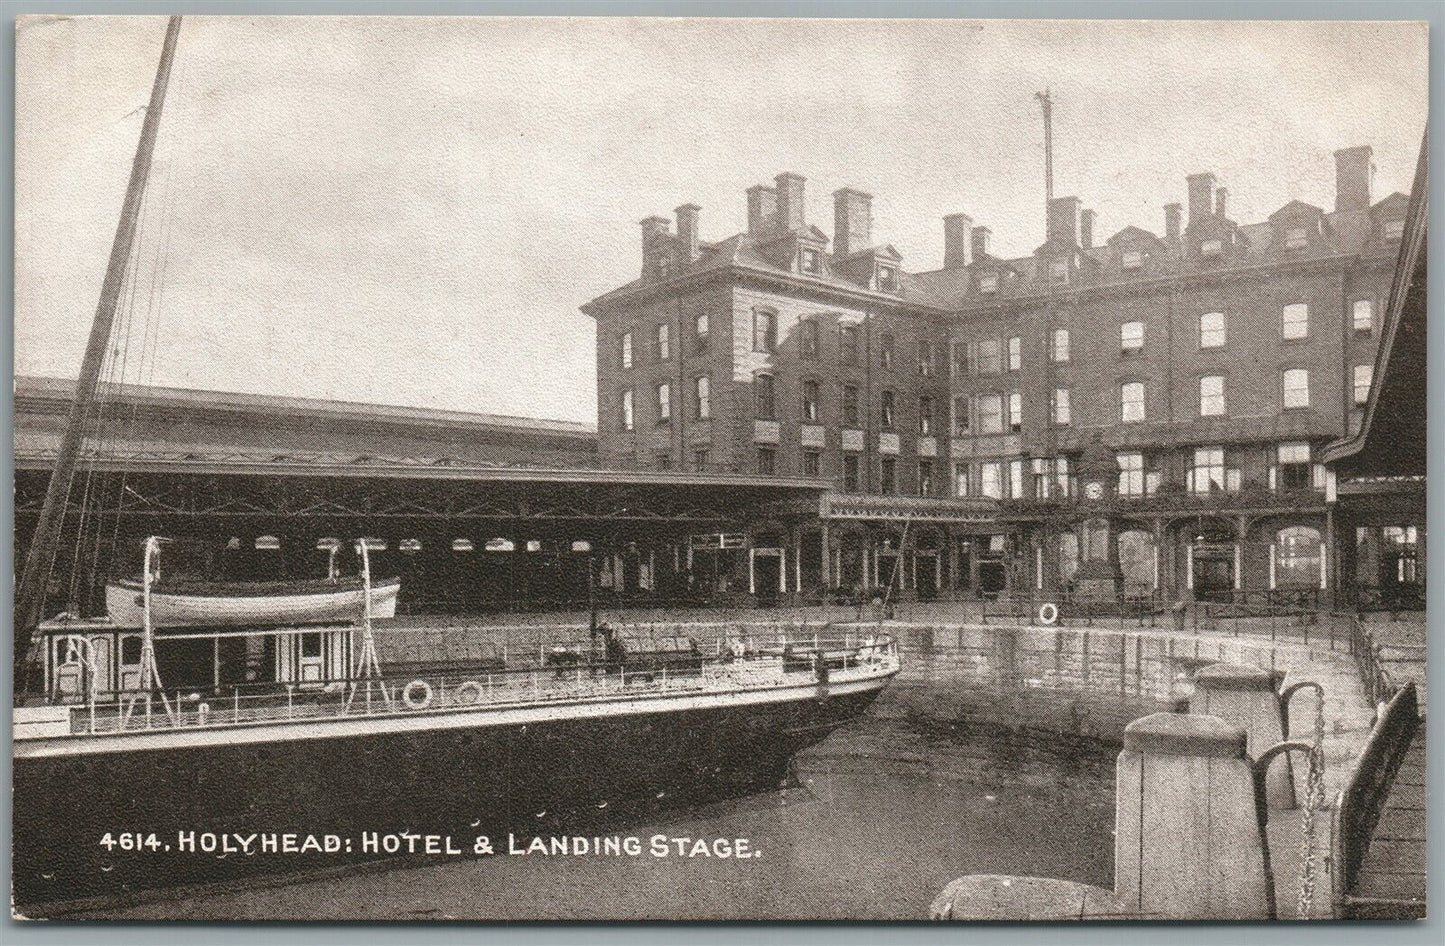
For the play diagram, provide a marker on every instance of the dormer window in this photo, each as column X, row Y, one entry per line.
column 1295, row 238
column 887, row 279
column 1133, row 259
column 988, row 283
column 1394, row 229
column 1209, row 248
column 1059, row 271
column 812, row 261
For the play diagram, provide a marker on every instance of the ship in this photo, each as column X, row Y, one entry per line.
column 152, row 750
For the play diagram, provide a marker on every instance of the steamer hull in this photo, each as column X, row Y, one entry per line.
column 533, row 771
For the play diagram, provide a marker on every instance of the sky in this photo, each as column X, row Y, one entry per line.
column 410, row 210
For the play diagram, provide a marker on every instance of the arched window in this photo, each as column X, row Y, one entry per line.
column 1299, row 557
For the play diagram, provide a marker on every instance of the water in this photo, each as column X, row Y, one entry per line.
column 883, row 815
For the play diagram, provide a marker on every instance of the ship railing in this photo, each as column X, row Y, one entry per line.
column 770, row 664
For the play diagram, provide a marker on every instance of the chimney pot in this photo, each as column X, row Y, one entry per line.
column 1086, row 229
column 789, row 187
column 687, row 228
column 852, row 221
column 762, row 205
column 1172, row 215
column 1063, row 222
column 978, row 243
column 956, row 231
column 1354, row 174
column 1201, row 196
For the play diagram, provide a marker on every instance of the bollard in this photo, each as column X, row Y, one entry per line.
column 1248, row 697
column 1187, row 836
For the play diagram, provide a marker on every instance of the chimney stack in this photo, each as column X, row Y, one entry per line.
column 978, row 243
column 687, row 229
column 1086, row 229
column 1220, row 196
column 653, row 229
column 1172, row 213
column 1354, row 173
column 1201, row 196
column 956, row 229
column 789, row 188
column 1064, row 221
column 762, row 204
column 852, row 220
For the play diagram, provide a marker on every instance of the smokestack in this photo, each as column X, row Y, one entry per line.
column 956, row 230
column 1172, row 214
column 1086, row 229
column 852, row 220
column 1220, row 196
column 1201, row 196
column 789, row 187
column 1354, row 171
column 978, row 241
column 687, row 228
column 1064, row 221
column 762, row 204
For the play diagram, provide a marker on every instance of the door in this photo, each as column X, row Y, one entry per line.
column 1213, row 576
column 310, row 659
column 926, row 576
column 767, row 572
column 100, row 657
column 130, row 674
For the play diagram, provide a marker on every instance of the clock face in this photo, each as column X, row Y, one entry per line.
column 1094, row 490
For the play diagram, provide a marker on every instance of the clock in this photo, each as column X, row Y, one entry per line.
column 1094, row 490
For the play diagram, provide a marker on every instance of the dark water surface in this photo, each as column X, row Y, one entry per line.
column 884, row 814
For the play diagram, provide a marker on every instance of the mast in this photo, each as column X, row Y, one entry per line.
column 31, row 593
column 1048, row 104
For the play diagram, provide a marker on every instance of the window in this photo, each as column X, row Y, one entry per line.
column 988, row 283
column 1211, row 248
column 1294, row 471
column 885, row 410
column 1394, row 229
column 1061, row 476
column 767, row 461
column 625, row 409
column 765, row 330
column 848, row 344
column 1131, row 474
column 925, row 415
column 664, row 347
column 1211, row 396
column 1015, row 412
column 1363, row 375
column 627, row 349
column 850, row 472
column 1295, row 238
column 812, row 262
column 812, row 463
column 808, row 338
column 1016, row 479
column 989, row 357
column 1059, row 271
column 1299, row 557
column 764, row 399
column 1208, row 471
column 887, row 279
column 699, row 460
column 699, row 332
column 888, row 476
column 1041, row 479
column 1296, row 321
column 885, row 350
column 990, row 414
column 990, row 480
column 1296, row 388
column 1061, row 407
column 1133, row 259
column 1364, row 317
column 810, row 401
column 850, row 405
column 960, row 415
column 664, row 403
column 1211, row 330
column 925, row 359
column 960, row 480
column 1015, row 353
column 961, row 361
column 925, row 477
column 1131, row 402
column 702, row 397
column 1131, row 338
column 1059, row 349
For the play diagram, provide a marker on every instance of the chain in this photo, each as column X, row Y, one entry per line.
column 1314, row 801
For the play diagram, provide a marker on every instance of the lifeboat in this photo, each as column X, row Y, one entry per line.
column 185, row 603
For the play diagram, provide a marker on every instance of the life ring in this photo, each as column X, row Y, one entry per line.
column 468, row 693
column 1048, row 613
column 410, row 696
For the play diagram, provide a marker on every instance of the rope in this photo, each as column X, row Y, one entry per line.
column 1314, row 801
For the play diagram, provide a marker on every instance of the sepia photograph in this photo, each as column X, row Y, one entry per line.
column 605, row 468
